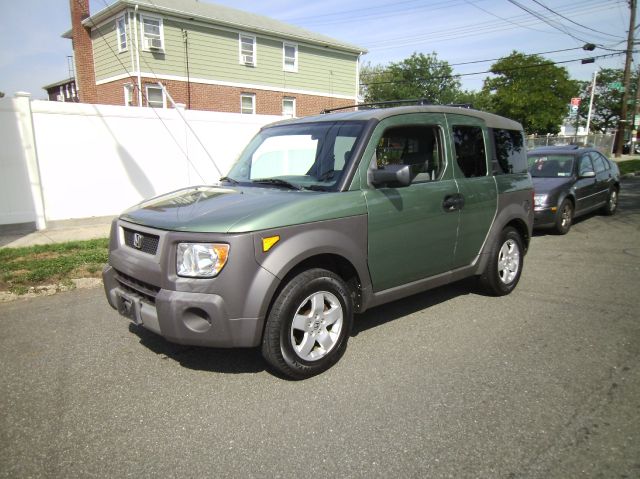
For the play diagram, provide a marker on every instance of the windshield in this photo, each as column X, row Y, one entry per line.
column 313, row 155
column 551, row 166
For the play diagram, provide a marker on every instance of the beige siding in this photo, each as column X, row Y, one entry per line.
column 108, row 61
column 214, row 56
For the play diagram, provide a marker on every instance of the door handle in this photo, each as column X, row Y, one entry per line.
column 453, row 202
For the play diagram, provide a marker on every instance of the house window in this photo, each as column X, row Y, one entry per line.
column 290, row 57
column 128, row 94
column 155, row 96
column 248, row 104
column 121, row 30
column 152, row 33
column 247, row 50
column 289, row 107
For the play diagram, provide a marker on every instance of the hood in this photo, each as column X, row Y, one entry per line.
column 548, row 185
column 217, row 209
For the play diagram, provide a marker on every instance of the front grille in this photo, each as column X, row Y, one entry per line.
column 145, row 290
column 148, row 243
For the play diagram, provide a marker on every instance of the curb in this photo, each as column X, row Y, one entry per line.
column 51, row 289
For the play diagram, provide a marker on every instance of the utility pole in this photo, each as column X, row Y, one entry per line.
column 636, row 113
column 627, row 79
column 593, row 93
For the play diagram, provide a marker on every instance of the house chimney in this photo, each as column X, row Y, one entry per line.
column 83, row 52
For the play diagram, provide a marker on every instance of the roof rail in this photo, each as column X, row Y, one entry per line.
column 413, row 101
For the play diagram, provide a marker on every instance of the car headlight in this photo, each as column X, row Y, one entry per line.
column 201, row 260
column 540, row 200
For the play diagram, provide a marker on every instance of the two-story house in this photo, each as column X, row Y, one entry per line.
column 207, row 57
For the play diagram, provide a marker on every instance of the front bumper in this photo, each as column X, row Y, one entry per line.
column 227, row 311
column 180, row 317
column 544, row 217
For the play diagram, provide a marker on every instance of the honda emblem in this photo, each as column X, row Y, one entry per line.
column 137, row 240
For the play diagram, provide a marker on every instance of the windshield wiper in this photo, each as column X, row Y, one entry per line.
column 317, row 188
column 229, row 179
column 277, row 182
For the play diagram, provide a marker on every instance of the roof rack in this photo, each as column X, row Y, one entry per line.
column 413, row 101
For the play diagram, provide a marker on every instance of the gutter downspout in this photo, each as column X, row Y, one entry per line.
column 179, row 110
column 130, row 40
column 135, row 24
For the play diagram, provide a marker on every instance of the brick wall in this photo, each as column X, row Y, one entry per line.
column 83, row 52
column 219, row 98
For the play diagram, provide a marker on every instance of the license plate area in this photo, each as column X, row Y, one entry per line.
column 129, row 307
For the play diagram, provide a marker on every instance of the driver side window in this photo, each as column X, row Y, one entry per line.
column 418, row 146
column 585, row 165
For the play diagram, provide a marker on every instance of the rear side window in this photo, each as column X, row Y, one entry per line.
column 509, row 150
column 470, row 150
column 418, row 146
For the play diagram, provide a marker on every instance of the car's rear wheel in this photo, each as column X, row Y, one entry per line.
column 309, row 324
column 612, row 202
column 564, row 217
column 506, row 258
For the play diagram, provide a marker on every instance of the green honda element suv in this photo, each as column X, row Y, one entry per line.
column 323, row 217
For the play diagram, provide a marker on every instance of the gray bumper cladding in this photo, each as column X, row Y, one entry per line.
column 181, row 317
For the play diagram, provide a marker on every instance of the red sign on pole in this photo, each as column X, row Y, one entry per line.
column 575, row 101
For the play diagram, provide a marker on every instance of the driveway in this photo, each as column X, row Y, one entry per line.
column 543, row 383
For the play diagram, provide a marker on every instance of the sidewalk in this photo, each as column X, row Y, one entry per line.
column 59, row 232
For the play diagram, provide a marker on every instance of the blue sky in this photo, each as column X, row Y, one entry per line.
column 33, row 54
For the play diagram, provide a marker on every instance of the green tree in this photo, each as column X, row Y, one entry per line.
column 532, row 90
column 419, row 76
column 607, row 100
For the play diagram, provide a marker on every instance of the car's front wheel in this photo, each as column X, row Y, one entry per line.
column 564, row 217
column 612, row 202
column 309, row 324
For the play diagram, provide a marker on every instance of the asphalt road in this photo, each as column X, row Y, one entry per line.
column 544, row 383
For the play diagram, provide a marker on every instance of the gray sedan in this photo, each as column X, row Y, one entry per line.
column 569, row 182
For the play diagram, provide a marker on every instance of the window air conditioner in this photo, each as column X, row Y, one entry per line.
column 247, row 59
column 152, row 43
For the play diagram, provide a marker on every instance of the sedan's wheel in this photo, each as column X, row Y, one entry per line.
column 503, row 271
column 612, row 202
column 309, row 324
column 564, row 218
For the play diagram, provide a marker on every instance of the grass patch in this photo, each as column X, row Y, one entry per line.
column 22, row 268
column 629, row 166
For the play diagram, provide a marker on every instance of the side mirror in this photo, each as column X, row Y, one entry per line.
column 398, row 174
column 588, row 174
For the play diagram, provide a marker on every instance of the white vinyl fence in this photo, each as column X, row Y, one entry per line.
column 64, row 160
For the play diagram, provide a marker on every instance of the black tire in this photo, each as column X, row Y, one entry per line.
column 296, row 350
column 564, row 217
column 504, row 268
column 612, row 202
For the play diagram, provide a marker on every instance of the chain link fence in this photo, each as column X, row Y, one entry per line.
column 604, row 143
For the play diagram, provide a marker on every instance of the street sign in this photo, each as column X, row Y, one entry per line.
column 616, row 85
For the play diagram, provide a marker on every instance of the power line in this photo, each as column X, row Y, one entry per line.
column 551, row 23
column 474, row 29
column 502, row 18
column 442, row 77
column 93, row 25
column 575, row 23
column 487, row 60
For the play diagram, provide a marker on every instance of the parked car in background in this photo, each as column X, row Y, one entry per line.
column 570, row 181
column 627, row 148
